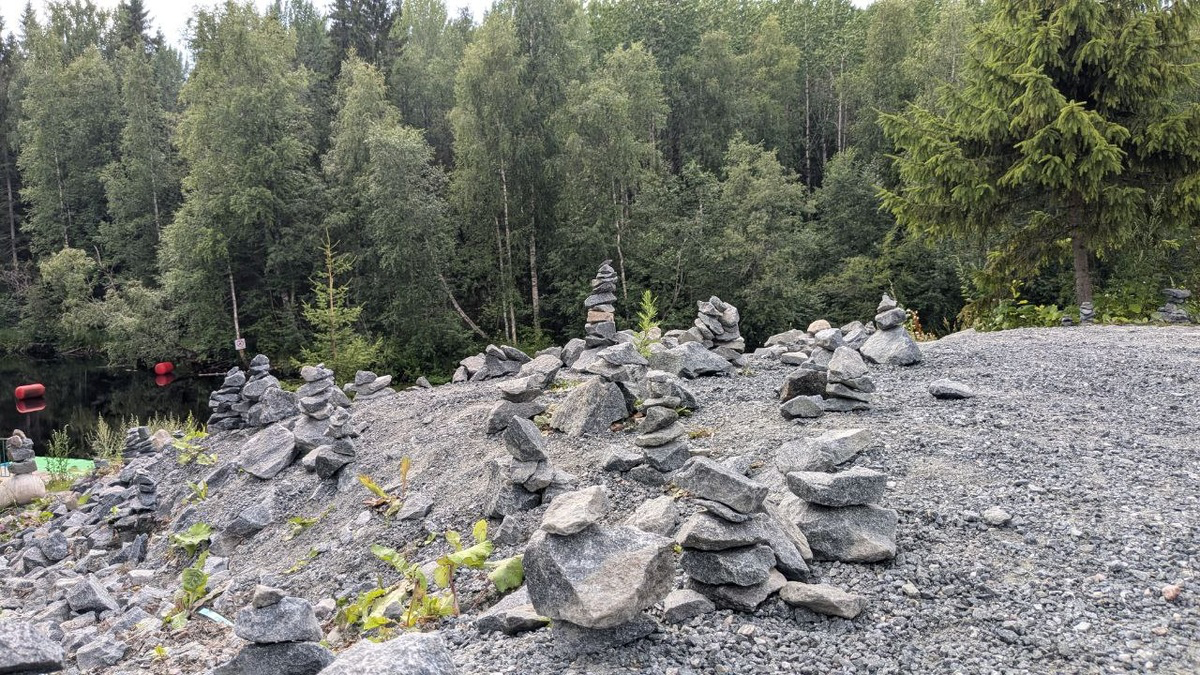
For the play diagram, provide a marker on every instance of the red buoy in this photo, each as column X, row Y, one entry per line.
column 164, row 380
column 31, row 405
column 30, row 391
column 164, row 368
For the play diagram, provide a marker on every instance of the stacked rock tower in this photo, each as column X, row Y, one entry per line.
column 891, row 344
column 601, row 327
column 717, row 325
column 25, row 485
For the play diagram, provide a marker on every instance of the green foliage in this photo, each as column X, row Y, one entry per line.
column 192, row 538
column 199, row 492
column 1017, row 312
column 507, row 574
column 107, row 442
column 337, row 343
column 647, row 323
column 58, row 455
column 193, row 588
column 298, row 524
column 473, row 557
column 303, row 562
column 189, row 451
column 388, row 503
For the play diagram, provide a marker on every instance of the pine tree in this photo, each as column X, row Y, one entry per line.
column 337, row 343
column 1075, row 124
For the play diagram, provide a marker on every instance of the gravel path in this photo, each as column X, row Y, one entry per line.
column 1089, row 438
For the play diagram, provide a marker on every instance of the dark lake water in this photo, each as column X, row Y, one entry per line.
column 77, row 390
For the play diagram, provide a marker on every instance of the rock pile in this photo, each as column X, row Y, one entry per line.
column 594, row 581
column 136, row 503
column 493, row 362
column 284, row 636
column 368, row 386
column 835, row 381
column 25, row 485
column 717, row 327
column 138, row 443
column 25, row 648
column 526, row 478
column 840, row 515
column 519, row 395
column 253, row 400
column 319, row 395
column 891, row 344
column 601, row 326
column 1171, row 312
column 1087, row 313
column 594, row 406
column 734, row 553
column 662, row 439
column 849, row 385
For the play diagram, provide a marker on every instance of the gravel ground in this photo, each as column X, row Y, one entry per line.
column 1089, row 437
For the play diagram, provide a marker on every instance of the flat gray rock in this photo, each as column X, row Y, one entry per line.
column 706, row 532
column 823, row 599
column 408, row 654
column 668, row 457
column 822, row 452
column 573, row 640
column 689, row 360
column 745, row 566
column 289, row 620
column 851, row 487
column 27, row 649
column 268, row 452
column 293, row 658
column 683, row 604
column 803, row 382
column 89, row 595
column 503, row 413
column 100, row 654
column 707, row 479
column 512, row 615
column 949, row 389
column 657, row 516
column 802, row 407
column 524, row 440
column 600, row 577
column 740, row 598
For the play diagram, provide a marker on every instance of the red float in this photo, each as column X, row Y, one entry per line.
column 163, row 380
column 164, row 368
column 31, row 405
column 30, row 391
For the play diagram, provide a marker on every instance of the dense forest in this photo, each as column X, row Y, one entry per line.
column 404, row 185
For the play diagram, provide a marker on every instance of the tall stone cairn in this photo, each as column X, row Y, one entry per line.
column 601, row 327
column 250, row 399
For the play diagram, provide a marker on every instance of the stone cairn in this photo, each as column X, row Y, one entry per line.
column 1087, row 313
column 832, row 379
column 319, row 395
column 662, row 439
column 592, row 580
column 135, row 501
column 594, row 406
column 495, row 361
column 25, row 485
column 138, row 443
column 717, row 327
column 1171, row 312
column 525, row 479
column 891, row 344
column 284, row 636
column 337, row 450
column 836, row 510
column 368, row 386
column 734, row 552
column 601, row 326
column 253, row 400
column 519, row 396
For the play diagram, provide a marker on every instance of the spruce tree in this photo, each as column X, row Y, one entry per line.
column 1074, row 127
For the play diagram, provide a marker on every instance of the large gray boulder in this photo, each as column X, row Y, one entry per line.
column 591, row 408
column 525, row 441
column 852, row 487
column 545, row 366
column 600, row 577
column 893, row 347
column 268, row 452
column 275, row 405
column 690, row 360
column 25, row 648
column 408, row 654
column 503, row 413
column 289, row 620
column 293, row 658
column 854, row 534
column 707, row 479
column 803, row 381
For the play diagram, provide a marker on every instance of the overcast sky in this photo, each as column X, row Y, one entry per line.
column 172, row 15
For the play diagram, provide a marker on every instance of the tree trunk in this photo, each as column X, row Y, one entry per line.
column 807, row 128
column 533, row 282
column 12, row 214
column 237, row 329
column 1083, row 273
column 503, row 291
column 623, row 211
column 458, row 308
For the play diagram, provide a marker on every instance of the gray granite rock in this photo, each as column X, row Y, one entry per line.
column 89, row 595
column 292, row 658
column 591, row 408
column 288, row 620
column 851, row 487
column 574, row 511
column 683, row 604
column 513, row 614
column 740, row 598
column 802, row 407
column 949, row 389
column 854, row 534
column 408, row 654
column 25, row 648
column 823, row 599
column 657, row 515
column 822, row 452
column 707, row 479
column 744, row 566
column 268, row 452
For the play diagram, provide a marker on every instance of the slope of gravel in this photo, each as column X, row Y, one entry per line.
column 1087, row 436
column 1090, row 438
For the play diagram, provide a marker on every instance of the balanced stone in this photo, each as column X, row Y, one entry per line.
column 745, row 566
column 846, row 488
column 707, row 479
column 524, row 440
column 575, row 511
column 288, row 620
